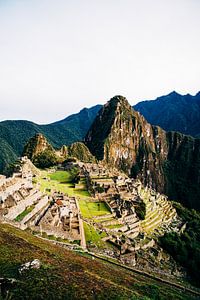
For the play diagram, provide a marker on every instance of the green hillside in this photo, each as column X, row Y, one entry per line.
column 15, row 134
column 64, row 274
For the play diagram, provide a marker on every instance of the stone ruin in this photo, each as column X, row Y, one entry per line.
column 24, row 205
column 123, row 196
column 62, row 218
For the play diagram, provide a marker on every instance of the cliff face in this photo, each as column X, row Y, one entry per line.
column 122, row 138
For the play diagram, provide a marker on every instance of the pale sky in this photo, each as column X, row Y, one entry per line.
column 58, row 56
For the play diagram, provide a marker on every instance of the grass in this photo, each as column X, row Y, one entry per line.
column 20, row 217
column 61, row 181
column 67, row 275
column 114, row 226
column 104, row 219
column 61, row 176
column 94, row 237
column 91, row 209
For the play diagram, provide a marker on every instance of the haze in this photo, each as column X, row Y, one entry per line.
column 57, row 57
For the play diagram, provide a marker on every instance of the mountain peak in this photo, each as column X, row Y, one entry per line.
column 118, row 100
column 114, row 122
column 37, row 144
column 173, row 93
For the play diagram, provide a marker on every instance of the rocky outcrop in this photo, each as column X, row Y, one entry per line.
column 36, row 145
column 81, row 152
column 62, row 152
column 168, row 162
column 41, row 153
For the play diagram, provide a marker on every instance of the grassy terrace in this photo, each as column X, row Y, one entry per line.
column 93, row 237
column 62, row 181
column 115, row 226
column 20, row 217
column 59, row 181
column 92, row 209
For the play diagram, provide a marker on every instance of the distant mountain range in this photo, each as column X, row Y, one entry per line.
column 171, row 112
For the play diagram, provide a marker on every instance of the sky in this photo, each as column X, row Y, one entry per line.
column 58, row 56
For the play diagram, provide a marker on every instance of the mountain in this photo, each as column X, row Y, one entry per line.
column 15, row 134
column 167, row 161
column 36, row 145
column 173, row 112
column 43, row 155
column 81, row 152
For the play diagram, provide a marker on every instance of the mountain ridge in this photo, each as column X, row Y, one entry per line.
column 173, row 112
column 15, row 134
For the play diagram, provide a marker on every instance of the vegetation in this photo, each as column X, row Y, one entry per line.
column 93, row 237
column 182, row 170
column 15, row 134
column 58, row 180
column 64, row 176
column 90, row 209
column 81, row 152
column 67, row 275
column 7, row 156
column 140, row 210
column 185, row 248
column 24, row 213
column 45, row 159
column 173, row 112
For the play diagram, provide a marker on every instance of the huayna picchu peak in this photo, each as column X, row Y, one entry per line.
column 165, row 161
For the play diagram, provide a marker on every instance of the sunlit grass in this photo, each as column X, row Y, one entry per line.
column 92, row 236
column 21, row 216
column 92, row 209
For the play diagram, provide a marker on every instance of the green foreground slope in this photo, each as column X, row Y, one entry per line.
column 67, row 275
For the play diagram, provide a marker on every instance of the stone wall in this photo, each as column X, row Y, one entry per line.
column 21, row 206
column 41, row 204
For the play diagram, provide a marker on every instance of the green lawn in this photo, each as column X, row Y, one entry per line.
column 61, row 181
column 58, row 181
column 61, row 176
column 20, row 217
column 92, row 236
column 92, row 209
